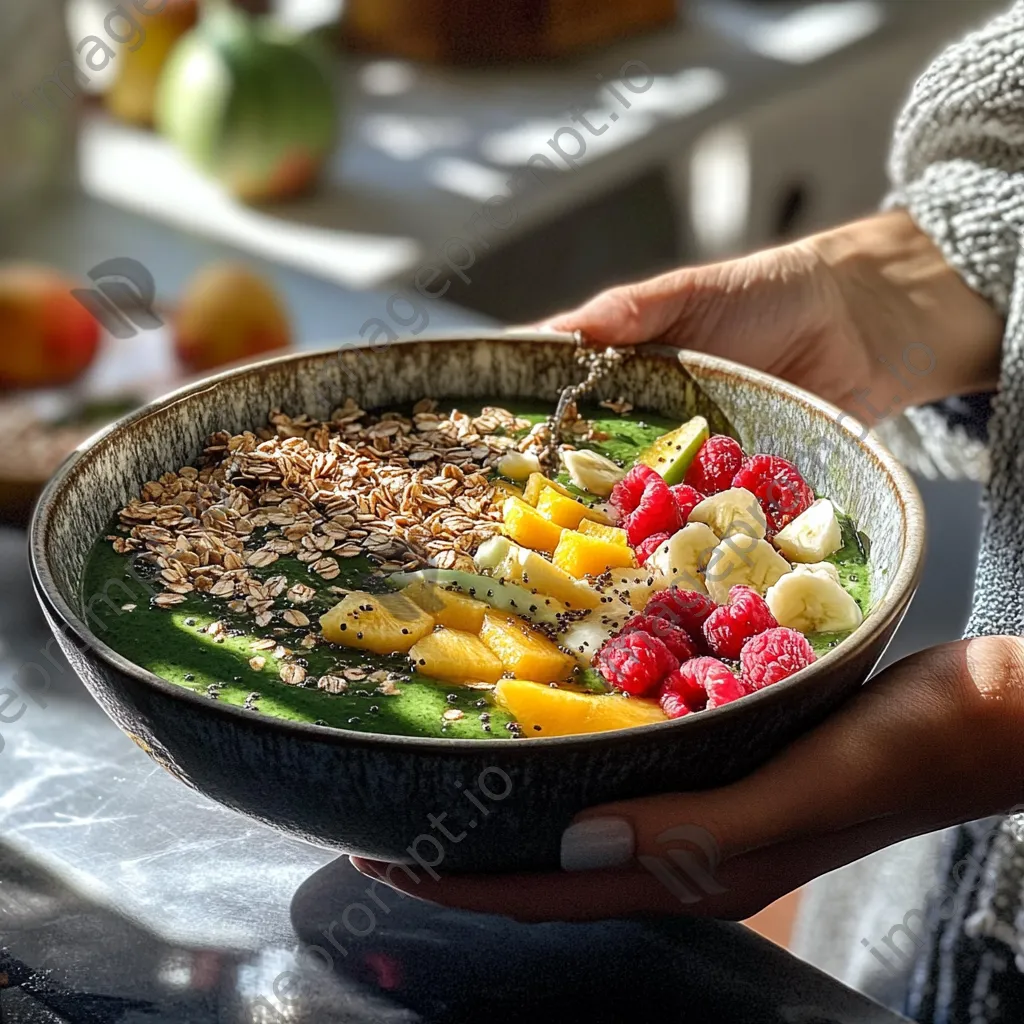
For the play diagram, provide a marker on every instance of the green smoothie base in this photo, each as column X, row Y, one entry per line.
column 174, row 643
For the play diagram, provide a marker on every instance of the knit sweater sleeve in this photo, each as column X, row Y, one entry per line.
column 957, row 166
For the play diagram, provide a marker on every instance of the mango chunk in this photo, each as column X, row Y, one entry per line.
column 454, row 656
column 612, row 534
column 523, row 652
column 581, row 555
column 567, row 512
column 382, row 623
column 536, row 484
column 526, row 526
column 544, row 711
column 447, row 607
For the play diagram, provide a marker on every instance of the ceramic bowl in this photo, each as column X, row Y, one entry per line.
column 372, row 794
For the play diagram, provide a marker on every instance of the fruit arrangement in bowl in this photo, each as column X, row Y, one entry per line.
column 330, row 617
column 594, row 595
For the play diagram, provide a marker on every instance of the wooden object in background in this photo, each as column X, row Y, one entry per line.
column 494, row 31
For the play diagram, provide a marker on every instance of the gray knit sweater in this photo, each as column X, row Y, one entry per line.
column 958, row 167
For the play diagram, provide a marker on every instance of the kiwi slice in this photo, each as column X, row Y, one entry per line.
column 671, row 455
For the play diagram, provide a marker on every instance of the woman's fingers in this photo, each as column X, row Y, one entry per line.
column 678, row 880
column 646, row 311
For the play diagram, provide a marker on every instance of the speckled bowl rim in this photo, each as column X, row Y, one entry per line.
column 893, row 605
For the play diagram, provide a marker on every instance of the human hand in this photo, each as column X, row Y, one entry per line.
column 868, row 316
column 929, row 743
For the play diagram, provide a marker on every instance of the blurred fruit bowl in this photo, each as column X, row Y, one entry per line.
column 36, row 442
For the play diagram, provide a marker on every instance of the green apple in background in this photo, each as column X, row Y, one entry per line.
column 672, row 453
column 251, row 105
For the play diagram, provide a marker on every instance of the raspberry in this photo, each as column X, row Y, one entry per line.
column 647, row 547
column 707, row 681
column 626, row 494
column 675, row 639
column 687, row 498
column 656, row 513
column 731, row 625
column 636, row 662
column 686, row 687
column 778, row 486
column 716, row 463
column 683, row 608
column 672, row 704
column 724, row 688
column 773, row 656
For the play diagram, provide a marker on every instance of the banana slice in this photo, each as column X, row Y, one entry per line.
column 583, row 639
column 733, row 511
column 492, row 553
column 812, row 600
column 629, row 590
column 813, row 535
column 820, row 569
column 739, row 559
column 518, row 465
column 682, row 559
column 591, row 472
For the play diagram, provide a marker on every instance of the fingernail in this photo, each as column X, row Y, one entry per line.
column 370, row 868
column 597, row 843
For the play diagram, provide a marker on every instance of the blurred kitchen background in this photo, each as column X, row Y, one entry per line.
column 402, row 166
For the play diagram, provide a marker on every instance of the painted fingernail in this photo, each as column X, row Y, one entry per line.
column 597, row 843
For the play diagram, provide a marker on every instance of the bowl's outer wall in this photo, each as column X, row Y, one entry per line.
column 362, row 795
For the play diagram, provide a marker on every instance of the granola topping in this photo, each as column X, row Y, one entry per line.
column 403, row 491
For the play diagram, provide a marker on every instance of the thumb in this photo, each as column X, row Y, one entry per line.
column 633, row 313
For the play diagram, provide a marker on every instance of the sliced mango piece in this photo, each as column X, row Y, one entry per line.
column 523, row 651
column 382, row 623
column 526, row 526
column 447, row 607
column 612, row 534
column 535, row 573
column 545, row 711
column 567, row 512
column 581, row 555
column 455, row 656
column 535, row 485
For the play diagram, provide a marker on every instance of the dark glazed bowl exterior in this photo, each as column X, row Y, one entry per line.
column 503, row 804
